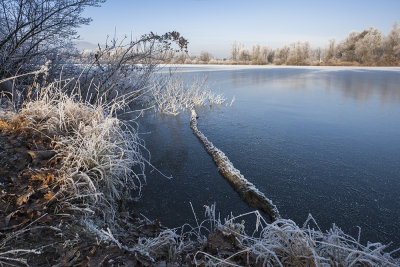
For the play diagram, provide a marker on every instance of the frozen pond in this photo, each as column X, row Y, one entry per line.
column 314, row 140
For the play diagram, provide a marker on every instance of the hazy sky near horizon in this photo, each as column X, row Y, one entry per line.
column 213, row 25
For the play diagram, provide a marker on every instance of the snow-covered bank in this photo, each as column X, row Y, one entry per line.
column 209, row 67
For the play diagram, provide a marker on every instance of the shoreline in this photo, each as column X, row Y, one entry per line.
column 244, row 67
column 70, row 207
column 72, row 238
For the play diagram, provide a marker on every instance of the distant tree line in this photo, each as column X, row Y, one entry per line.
column 369, row 47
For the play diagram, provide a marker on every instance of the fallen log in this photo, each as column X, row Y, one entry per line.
column 247, row 191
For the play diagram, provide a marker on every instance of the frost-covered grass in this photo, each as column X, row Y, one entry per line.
column 281, row 243
column 172, row 95
column 284, row 243
column 101, row 156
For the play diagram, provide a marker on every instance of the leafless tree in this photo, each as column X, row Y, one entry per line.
column 330, row 51
column 234, row 52
column 316, row 55
column 123, row 68
column 346, row 49
column 180, row 58
column 205, row 57
column 32, row 31
column 256, row 54
column 299, row 54
column 264, row 54
column 281, row 55
column 244, row 55
column 368, row 48
column 391, row 46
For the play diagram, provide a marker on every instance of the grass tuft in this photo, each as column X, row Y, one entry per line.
column 102, row 159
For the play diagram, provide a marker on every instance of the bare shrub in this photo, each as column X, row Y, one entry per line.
column 123, row 68
column 31, row 32
column 172, row 95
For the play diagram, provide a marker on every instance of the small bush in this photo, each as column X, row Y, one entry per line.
column 102, row 159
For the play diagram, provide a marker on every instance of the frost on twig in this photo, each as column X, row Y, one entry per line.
column 245, row 189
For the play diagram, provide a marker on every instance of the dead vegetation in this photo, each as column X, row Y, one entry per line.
column 284, row 243
column 101, row 157
column 62, row 155
column 171, row 95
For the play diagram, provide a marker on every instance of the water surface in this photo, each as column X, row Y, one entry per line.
column 323, row 141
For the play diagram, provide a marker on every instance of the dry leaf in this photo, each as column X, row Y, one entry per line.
column 43, row 187
column 39, row 177
column 49, row 195
column 50, row 178
column 24, row 198
column 46, row 179
column 3, row 125
column 9, row 216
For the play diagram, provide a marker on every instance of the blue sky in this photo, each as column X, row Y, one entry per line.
column 213, row 25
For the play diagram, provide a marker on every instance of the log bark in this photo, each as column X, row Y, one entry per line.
column 247, row 191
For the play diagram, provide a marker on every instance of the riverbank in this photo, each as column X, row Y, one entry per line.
column 37, row 229
column 64, row 201
column 216, row 67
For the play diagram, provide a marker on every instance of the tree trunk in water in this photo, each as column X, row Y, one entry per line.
column 247, row 191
